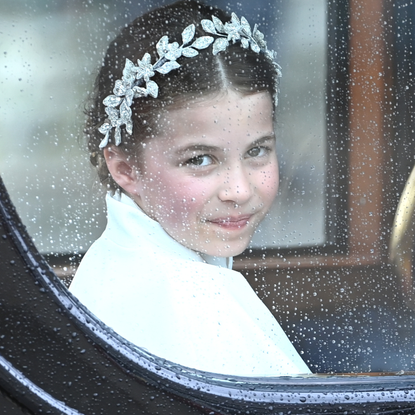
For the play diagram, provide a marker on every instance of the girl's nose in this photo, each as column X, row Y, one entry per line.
column 236, row 187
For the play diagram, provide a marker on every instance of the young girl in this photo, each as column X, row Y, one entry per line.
column 182, row 134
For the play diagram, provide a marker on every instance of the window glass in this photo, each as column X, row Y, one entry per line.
column 351, row 314
column 50, row 55
column 298, row 216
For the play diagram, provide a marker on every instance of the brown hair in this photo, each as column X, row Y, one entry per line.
column 199, row 77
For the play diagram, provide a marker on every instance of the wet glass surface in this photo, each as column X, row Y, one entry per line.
column 342, row 319
column 50, row 55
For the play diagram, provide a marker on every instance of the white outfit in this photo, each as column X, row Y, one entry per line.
column 178, row 304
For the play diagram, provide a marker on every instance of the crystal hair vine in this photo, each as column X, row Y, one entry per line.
column 131, row 86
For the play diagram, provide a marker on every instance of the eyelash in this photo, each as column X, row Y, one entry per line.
column 192, row 162
column 264, row 148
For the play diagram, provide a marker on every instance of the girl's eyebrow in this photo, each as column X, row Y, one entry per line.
column 211, row 149
column 264, row 139
column 197, row 147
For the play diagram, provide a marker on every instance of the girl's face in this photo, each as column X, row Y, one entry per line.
column 211, row 176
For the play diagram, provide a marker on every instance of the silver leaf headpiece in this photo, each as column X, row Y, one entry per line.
column 136, row 82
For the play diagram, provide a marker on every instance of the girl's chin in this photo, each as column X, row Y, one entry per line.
column 224, row 251
column 215, row 245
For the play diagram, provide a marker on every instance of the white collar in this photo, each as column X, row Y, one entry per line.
column 126, row 221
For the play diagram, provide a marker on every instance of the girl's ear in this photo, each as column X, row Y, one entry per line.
column 122, row 169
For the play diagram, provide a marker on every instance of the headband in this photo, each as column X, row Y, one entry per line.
column 136, row 80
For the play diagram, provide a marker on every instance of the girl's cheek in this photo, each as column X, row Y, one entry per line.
column 270, row 180
column 189, row 199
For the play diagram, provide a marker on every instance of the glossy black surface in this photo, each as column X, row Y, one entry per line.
column 56, row 358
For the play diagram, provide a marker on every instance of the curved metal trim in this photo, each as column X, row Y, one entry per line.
column 29, row 392
column 402, row 240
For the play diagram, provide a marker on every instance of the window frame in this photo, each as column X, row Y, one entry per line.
column 358, row 142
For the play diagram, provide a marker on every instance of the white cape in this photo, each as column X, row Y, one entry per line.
column 177, row 304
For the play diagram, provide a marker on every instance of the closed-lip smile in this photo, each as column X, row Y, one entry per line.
column 235, row 222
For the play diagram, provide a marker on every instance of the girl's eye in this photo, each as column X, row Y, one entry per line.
column 199, row 161
column 258, row 151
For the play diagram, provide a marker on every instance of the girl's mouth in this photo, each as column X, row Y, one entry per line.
column 230, row 223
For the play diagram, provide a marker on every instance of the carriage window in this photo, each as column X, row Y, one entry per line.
column 320, row 260
column 51, row 55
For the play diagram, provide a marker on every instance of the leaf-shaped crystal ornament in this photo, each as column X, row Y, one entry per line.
column 129, row 95
column 113, row 115
column 188, row 34
column 208, row 26
column 119, row 88
column 189, row 52
column 112, row 101
column 136, row 79
column 161, row 46
column 218, row 24
column 129, row 126
column 145, row 68
column 234, row 29
column 220, row 45
column 129, row 71
column 259, row 38
column 167, row 67
column 152, row 89
column 105, row 127
column 174, row 51
column 255, row 47
column 245, row 26
column 105, row 140
column 202, row 42
column 117, row 135
column 125, row 112
column 139, row 92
